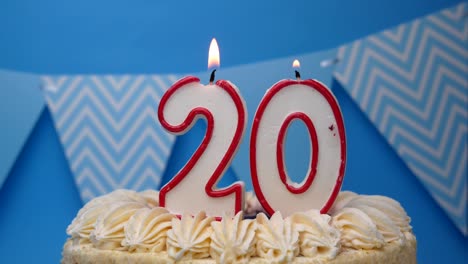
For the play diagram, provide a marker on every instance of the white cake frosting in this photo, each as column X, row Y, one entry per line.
column 127, row 221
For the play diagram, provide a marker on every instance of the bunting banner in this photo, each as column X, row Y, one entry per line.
column 22, row 103
column 412, row 83
column 109, row 129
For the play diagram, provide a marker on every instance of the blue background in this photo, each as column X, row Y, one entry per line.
column 39, row 198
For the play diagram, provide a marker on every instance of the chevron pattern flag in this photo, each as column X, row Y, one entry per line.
column 412, row 82
column 109, row 129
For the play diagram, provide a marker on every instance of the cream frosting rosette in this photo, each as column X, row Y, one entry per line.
column 189, row 237
column 317, row 237
column 277, row 238
column 146, row 230
column 85, row 221
column 370, row 221
column 233, row 239
column 108, row 230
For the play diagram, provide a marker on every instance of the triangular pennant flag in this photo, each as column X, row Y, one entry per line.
column 21, row 106
column 412, row 83
column 109, row 129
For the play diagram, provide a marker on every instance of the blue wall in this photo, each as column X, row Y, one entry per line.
column 38, row 200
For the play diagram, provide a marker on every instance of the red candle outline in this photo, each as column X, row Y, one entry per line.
column 253, row 138
column 236, row 187
column 314, row 151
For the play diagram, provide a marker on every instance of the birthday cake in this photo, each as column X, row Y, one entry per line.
column 129, row 227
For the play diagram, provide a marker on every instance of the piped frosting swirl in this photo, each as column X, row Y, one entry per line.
column 146, row 230
column 189, row 237
column 317, row 237
column 277, row 238
column 108, row 231
column 233, row 239
column 84, row 223
column 387, row 215
column 357, row 229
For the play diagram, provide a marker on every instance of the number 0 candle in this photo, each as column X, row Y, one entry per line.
column 312, row 103
column 193, row 189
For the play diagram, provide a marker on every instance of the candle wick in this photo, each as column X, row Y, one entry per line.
column 298, row 75
column 212, row 77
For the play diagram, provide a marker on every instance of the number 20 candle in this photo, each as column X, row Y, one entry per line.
column 193, row 188
column 312, row 103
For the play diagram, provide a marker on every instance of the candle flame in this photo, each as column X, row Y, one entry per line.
column 296, row 64
column 213, row 55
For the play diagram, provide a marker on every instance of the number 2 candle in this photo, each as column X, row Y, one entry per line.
column 312, row 103
column 193, row 188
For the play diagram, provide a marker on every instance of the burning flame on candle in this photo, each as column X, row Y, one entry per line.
column 296, row 64
column 213, row 55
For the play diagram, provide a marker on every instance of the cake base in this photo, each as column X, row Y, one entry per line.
column 391, row 253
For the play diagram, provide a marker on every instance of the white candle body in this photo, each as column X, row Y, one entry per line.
column 229, row 118
column 278, row 103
